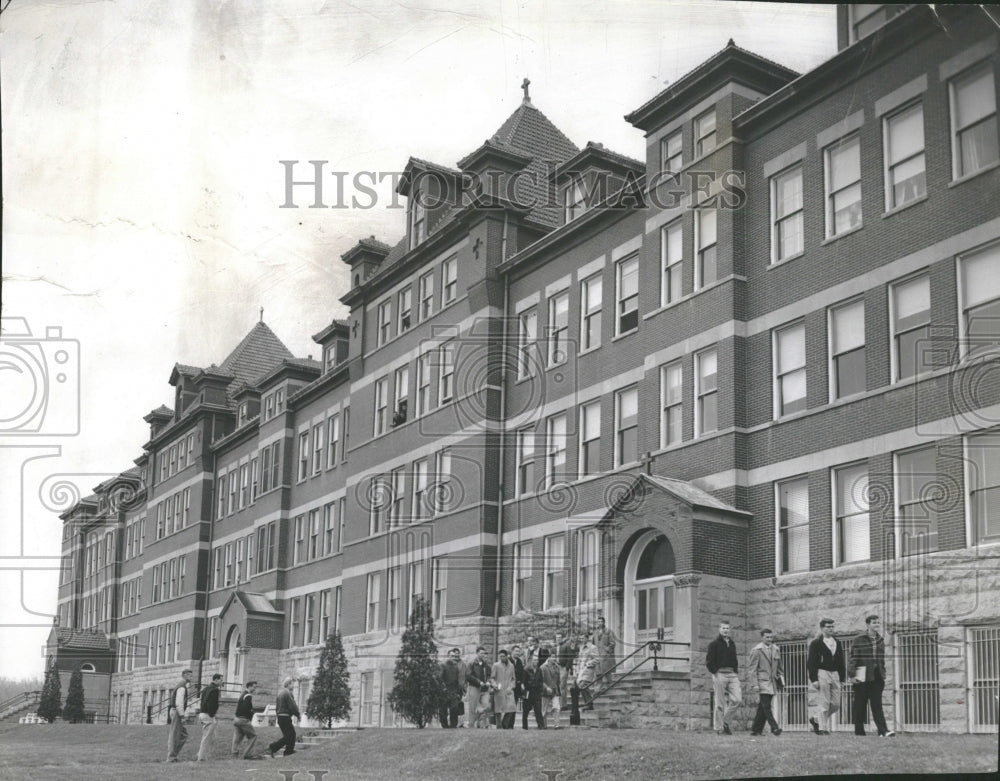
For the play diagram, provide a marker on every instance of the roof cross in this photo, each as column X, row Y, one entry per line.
column 524, row 85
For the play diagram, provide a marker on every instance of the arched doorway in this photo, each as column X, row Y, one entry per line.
column 649, row 590
column 234, row 658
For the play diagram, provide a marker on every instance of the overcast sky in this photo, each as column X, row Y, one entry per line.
column 141, row 186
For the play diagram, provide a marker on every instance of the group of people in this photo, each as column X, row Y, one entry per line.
column 244, row 735
column 827, row 667
column 534, row 679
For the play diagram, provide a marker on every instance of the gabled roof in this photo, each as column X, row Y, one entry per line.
column 681, row 490
column 252, row 603
column 80, row 639
column 259, row 351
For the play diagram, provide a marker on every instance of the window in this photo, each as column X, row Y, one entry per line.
column 590, row 313
column 984, row 677
column 793, row 525
column 423, row 384
column 911, row 319
column 383, row 332
column 555, row 572
column 329, row 528
column 555, row 449
column 706, row 269
column 418, row 219
column 228, row 564
column 522, row 576
column 558, row 328
column 919, row 707
column 439, row 601
column 401, row 389
column 525, row 461
column 671, row 262
column 443, row 493
column 250, row 540
column 425, row 292
column 526, row 335
column 265, row 473
column 847, row 350
column 704, row 133
column 329, row 357
column 156, row 585
column 420, row 498
column 293, row 622
column 671, row 153
column 324, row 615
column 627, row 297
column 268, row 407
column 218, row 572
column 852, row 527
column 309, row 610
column 347, row 434
column 590, row 439
column 372, row 617
column 314, row 535
column 449, row 280
column 303, row 455
column 787, row 218
column 239, row 560
column 980, row 286
column 398, row 498
column 865, row 18
column 404, row 304
column 415, row 581
column 575, row 199
column 843, row 186
column 231, row 504
column 626, row 426
column 903, row 136
column 446, row 379
column 244, row 486
column 588, row 556
column 392, row 590
column 983, row 469
column 299, row 541
column 317, row 448
column 279, row 401
column 341, row 521
column 973, row 121
column 706, row 392
column 671, row 404
column 916, row 481
column 381, row 405
column 378, row 490
column 789, row 370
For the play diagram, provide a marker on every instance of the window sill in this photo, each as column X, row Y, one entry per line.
column 966, row 177
column 783, row 261
column 848, row 232
column 589, row 350
column 903, row 207
column 626, row 334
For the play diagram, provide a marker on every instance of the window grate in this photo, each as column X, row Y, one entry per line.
column 919, row 700
column 984, row 678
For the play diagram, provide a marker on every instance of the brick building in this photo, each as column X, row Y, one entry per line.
column 797, row 294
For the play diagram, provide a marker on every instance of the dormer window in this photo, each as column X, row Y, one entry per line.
column 575, row 200
column 279, row 401
column 242, row 414
column 418, row 220
column 704, row 133
column 329, row 357
column 671, row 153
column 269, row 407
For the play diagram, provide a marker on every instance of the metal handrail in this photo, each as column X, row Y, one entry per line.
column 19, row 702
column 655, row 646
column 155, row 709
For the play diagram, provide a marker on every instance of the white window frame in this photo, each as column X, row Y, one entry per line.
column 701, row 393
column 830, row 195
column 976, row 342
column 705, row 134
column 589, row 434
column 318, row 448
column 421, row 485
column 401, row 394
column 556, row 435
column 669, row 403
column 333, row 440
column 590, row 312
column 574, row 199
column 897, row 473
column 558, row 330
column 835, row 351
column 449, row 280
column 303, row 455
column 890, row 166
column 969, row 75
column 620, row 428
column 446, row 376
column 381, row 406
column 800, row 481
column 373, row 599
column 392, row 598
column 522, row 576
column 703, row 246
column 383, row 332
column 527, row 338
column 425, row 293
column 671, row 262
column 780, row 373
column 423, row 382
column 554, row 547
column 626, row 305
column 404, row 309
column 859, row 492
column 895, row 332
column 588, row 566
column 525, row 461
column 794, row 215
column 439, row 587
column 667, row 159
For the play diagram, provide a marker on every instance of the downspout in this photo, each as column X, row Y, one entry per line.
column 503, row 438
column 205, row 640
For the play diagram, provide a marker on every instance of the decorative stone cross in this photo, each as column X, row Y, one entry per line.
column 524, row 86
column 475, row 247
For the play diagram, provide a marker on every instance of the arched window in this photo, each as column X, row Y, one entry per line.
column 657, row 559
column 87, row 667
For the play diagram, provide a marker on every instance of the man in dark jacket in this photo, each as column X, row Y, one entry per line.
column 453, row 684
column 206, row 714
column 285, row 709
column 722, row 664
column 243, row 723
column 867, row 671
column 825, row 666
column 478, row 679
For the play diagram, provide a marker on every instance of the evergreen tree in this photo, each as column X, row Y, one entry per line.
column 417, row 693
column 49, row 706
column 73, row 709
column 330, row 698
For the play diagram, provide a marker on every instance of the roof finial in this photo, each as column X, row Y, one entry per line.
column 262, row 314
column 524, row 85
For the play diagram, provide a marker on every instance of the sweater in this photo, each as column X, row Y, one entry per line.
column 244, row 708
column 820, row 658
column 210, row 700
column 285, row 704
column 721, row 654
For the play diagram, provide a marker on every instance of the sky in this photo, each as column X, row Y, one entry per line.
column 142, row 189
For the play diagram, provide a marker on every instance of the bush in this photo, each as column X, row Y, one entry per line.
column 73, row 709
column 417, row 693
column 330, row 698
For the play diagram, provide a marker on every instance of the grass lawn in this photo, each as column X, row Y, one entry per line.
column 84, row 751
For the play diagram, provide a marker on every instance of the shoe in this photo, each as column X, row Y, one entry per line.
column 726, row 730
column 270, row 751
column 288, row 753
column 859, row 734
column 777, row 731
column 889, row 734
column 756, row 734
column 823, row 732
column 815, row 725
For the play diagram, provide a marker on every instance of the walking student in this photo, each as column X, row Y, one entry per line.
column 766, row 675
column 722, row 664
column 503, row 680
column 286, row 709
column 206, row 715
column 551, row 691
column 453, row 685
column 177, row 736
column 243, row 722
column 825, row 665
column 478, row 679
column 867, row 671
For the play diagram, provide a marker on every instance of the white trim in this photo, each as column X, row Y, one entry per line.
column 893, row 100
column 589, row 269
column 964, row 60
column 785, row 160
column 840, row 129
column 558, row 286
column 626, row 248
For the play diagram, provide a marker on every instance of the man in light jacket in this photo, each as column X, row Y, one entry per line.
column 502, row 679
column 175, row 717
column 766, row 675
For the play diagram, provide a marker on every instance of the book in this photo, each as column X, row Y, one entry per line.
column 859, row 674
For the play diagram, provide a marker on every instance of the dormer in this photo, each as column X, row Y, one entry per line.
column 185, row 394
column 431, row 190
column 491, row 168
column 247, row 401
column 212, row 384
column 333, row 340
column 591, row 176
column 158, row 419
column 364, row 259
column 282, row 382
